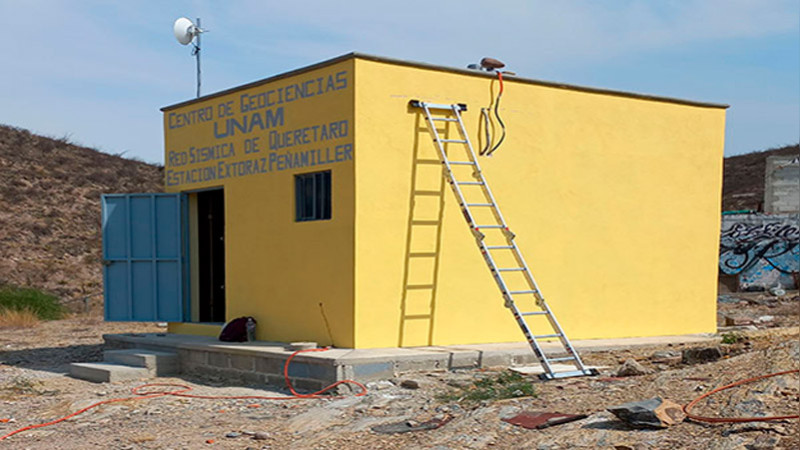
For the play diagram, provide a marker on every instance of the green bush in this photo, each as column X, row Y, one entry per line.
column 501, row 386
column 44, row 305
column 731, row 338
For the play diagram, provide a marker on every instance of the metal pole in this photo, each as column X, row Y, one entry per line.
column 197, row 55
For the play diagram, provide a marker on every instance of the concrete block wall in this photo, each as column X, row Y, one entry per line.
column 782, row 185
column 260, row 365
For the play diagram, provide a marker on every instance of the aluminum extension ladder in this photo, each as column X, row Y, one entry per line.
column 452, row 113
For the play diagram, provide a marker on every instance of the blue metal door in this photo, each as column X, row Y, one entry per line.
column 142, row 257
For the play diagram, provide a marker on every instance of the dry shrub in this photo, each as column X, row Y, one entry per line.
column 23, row 318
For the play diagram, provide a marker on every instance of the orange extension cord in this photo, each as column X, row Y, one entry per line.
column 688, row 407
column 141, row 394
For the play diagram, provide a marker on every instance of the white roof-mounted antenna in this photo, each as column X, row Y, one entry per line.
column 185, row 32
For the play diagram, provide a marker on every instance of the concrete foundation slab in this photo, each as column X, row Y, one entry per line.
column 107, row 372
column 263, row 362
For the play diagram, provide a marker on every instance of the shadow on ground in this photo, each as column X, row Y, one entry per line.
column 52, row 359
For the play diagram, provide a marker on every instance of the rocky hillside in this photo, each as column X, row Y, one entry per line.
column 743, row 178
column 50, row 209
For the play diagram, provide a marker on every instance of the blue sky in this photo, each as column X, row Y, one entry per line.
column 98, row 71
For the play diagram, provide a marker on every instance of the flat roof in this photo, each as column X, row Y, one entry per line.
column 470, row 72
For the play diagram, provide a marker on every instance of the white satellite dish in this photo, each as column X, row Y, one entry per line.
column 185, row 30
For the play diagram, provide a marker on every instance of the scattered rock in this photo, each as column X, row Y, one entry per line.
column 409, row 384
column 733, row 321
column 652, row 413
column 462, row 384
column 632, row 368
column 763, row 442
column 701, row 355
column 765, row 319
column 666, row 357
column 379, row 385
column 261, row 436
column 233, row 434
column 410, row 426
column 777, row 291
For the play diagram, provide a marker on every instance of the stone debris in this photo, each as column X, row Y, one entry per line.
column 632, row 368
column 409, row 384
column 666, row 357
column 380, row 385
column 411, row 425
column 701, row 355
column 735, row 321
column 261, row 436
column 651, row 413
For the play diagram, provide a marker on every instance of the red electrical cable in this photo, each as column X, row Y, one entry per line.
column 691, row 404
column 500, row 78
column 183, row 389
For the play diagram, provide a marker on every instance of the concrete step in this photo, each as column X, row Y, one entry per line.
column 107, row 373
column 158, row 363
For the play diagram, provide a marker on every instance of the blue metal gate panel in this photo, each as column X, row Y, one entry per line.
column 142, row 257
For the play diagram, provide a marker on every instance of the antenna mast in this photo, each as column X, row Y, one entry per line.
column 196, row 52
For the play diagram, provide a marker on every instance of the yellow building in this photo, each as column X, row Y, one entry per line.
column 314, row 201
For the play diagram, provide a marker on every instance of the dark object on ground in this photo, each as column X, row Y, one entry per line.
column 235, row 330
column 540, row 419
column 409, row 384
column 410, row 425
column 651, row 413
column 701, row 355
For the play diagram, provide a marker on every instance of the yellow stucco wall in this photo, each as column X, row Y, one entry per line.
column 277, row 270
column 615, row 202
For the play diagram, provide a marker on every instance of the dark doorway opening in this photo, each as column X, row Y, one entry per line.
column 211, row 255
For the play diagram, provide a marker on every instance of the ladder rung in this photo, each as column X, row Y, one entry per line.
column 433, row 193
column 533, row 313
column 421, row 104
column 488, row 226
column 521, row 292
column 424, row 222
column 498, row 247
column 444, row 119
column 547, row 336
column 511, row 269
column 457, row 141
column 419, row 286
column 422, row 255
column 417, row 316
column 473, row 183
column 462, row 163
column 566, row 358
column 480, row 204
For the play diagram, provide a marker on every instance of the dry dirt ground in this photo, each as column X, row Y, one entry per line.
column 34, row 389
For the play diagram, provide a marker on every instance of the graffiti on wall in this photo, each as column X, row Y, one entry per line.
column 761, row 250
